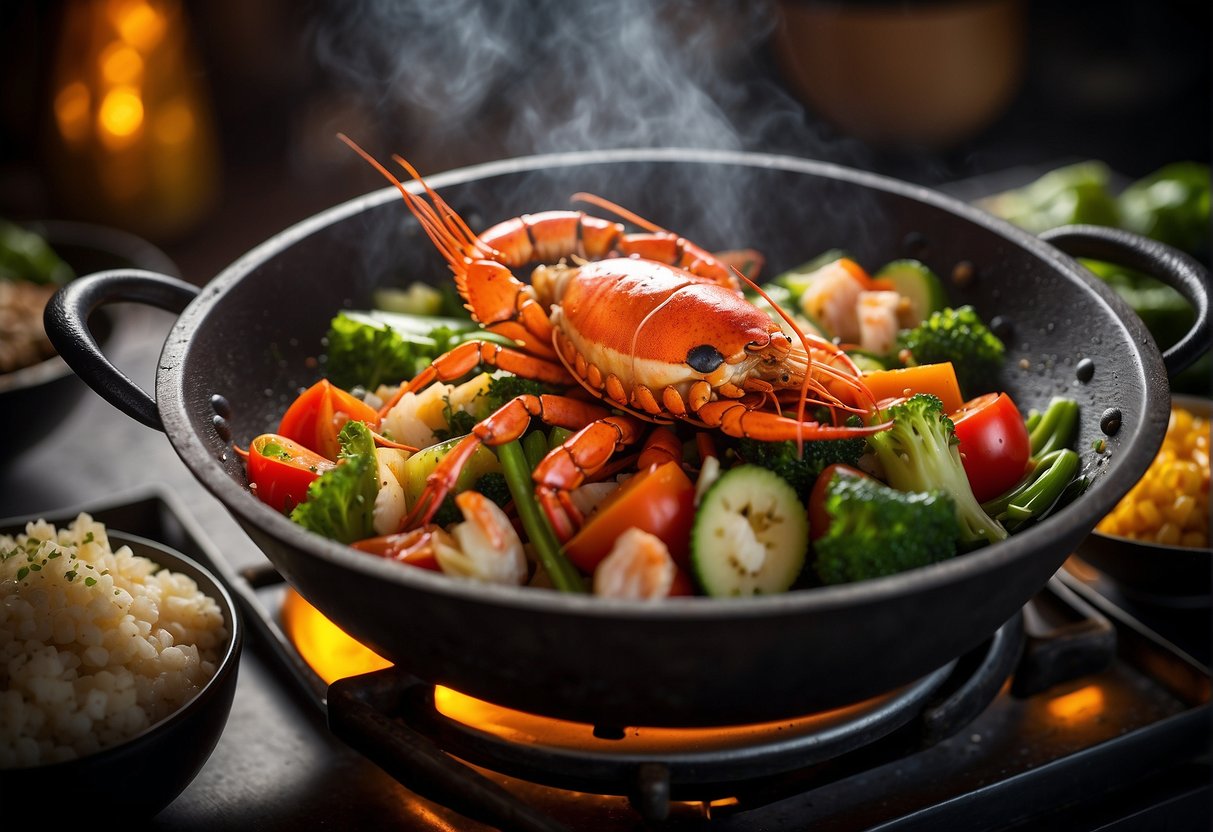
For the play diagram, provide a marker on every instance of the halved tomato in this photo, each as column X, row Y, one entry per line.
column 415, row 547
column 993, row 443
column 317, row 416
column 660, row 500
column 282, row 469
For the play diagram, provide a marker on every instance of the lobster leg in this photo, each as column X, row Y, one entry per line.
column 739, row 419
column 507, row 423
column 504, row 304
column 567, row 466
column 466, row 356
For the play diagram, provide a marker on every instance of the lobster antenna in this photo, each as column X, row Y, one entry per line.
column 434, row 228
column 450, row 217
column 619, row 211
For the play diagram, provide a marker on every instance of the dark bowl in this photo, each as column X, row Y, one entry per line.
column 1154, row 572
column 139, row 777
column 49, row 389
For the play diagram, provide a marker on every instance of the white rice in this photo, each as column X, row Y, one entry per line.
column 95, row 645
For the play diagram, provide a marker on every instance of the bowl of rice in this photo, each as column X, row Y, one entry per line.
column 118, row 664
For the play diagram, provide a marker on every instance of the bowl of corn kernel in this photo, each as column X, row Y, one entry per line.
column 1156, row 541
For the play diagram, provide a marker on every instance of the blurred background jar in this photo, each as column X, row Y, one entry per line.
column 930, row 73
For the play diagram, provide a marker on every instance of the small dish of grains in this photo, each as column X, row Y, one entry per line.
column 1155, row 543
column 118, row 665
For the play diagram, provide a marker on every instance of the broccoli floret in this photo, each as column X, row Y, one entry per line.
column 876, row 530
column 341, row 502
column 801, row 470
column 491, row 485
column 504, row 388
column 919, row 453
column 960, row 336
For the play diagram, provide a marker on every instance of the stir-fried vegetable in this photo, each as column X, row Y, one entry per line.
column 719, row 516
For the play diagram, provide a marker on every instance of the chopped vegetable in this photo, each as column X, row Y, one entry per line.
column 315, row 417
column 801, row 469
column 873, row 530
column 340, row 503
column 750, row 536
column 659, row 501
column 919, row 453
column 1170, row 205
column 961, row 337
column 939, row 380
column 917, row 284
column 372, row 348
column 282, row 470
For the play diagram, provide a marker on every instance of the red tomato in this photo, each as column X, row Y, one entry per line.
column 282, row 470
column 819, row 518
column 661, row 501
column 317, row 416
column 994, row 444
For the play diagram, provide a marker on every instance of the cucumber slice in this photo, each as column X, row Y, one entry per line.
column 914, row 281
column 751, row 534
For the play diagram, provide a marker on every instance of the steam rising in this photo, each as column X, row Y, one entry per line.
column 520, row 78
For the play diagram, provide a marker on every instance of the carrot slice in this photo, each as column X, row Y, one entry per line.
column 936, row 379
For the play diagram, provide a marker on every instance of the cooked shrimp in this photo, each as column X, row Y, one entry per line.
column 878, row 322
column 486, row 547
column 639, row 566
column 832, row 298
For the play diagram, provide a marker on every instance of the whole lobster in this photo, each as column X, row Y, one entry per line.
column 654, row 327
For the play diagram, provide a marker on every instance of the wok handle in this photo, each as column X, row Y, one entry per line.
column 1171, row 266
column 66, row 320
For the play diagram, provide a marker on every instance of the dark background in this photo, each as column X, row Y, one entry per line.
column 1124, row 82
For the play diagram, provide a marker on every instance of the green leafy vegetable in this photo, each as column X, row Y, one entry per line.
column 340, row 502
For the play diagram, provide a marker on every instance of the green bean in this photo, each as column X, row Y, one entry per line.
column 564, row 575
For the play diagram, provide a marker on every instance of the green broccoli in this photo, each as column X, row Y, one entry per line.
column 801, row 470
column 875, row 530
column 503, row 389
column 491, row 485
column 960, row 336
column 919, row 453
column 340, row 503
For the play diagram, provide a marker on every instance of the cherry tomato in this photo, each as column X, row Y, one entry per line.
column 282, row 470
column 317, row 416
column 994, row 444
column 819, row 518
column 660, row 500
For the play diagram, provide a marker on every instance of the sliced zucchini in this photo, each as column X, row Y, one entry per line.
column 751, row 534
column 914, row 281
column 421, row 464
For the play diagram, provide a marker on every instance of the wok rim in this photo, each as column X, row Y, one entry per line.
column 1133, row 456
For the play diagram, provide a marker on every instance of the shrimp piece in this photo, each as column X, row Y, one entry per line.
column 390, row 510
column 486, row 547
column 878, row 322
column 639, row 567
column 831, row 299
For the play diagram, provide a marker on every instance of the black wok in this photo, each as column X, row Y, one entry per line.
column 238, row 354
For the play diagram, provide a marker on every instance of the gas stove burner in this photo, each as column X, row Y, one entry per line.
column 1072, row 700
column 655, row 765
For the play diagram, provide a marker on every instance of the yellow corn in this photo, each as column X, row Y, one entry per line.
column 1170, row 504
